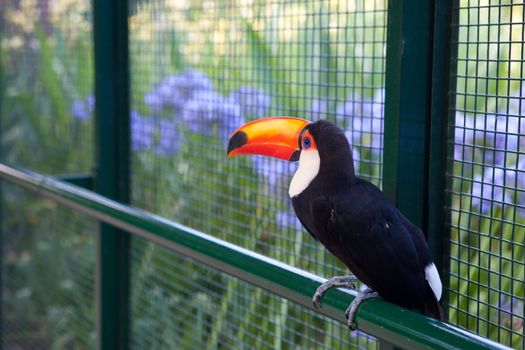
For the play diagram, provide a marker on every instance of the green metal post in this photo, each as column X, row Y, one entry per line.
column 82, row 180
column 1, row 265
column 407, row 106
column 445, row 25
column 112, row 168
column 416, row 116
column 2, row 116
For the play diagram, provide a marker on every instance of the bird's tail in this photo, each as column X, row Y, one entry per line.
column 432, row 307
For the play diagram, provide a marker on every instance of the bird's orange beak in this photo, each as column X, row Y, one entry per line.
column 276, row 137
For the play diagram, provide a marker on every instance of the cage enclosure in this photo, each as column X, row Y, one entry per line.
column 124, row 225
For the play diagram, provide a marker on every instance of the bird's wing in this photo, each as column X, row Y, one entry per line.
column 303, row 210
column 364, row 230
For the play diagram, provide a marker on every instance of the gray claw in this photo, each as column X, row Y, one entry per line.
column 337, row 281
column 352, row 308
column 316, row 300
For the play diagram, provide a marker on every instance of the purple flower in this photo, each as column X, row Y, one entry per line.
column 485, row 191
column 378, row 103
column 357, row 158
column 90, row 100
column 469, row 133
column 83, row 109
column 253, row 101
column 517, row 102
column 169, row 138
column 366, row 119
column 200, row 110
column 79, row 111
column 208, row 108
column 472, row 132
column 154, row 100
column 366, row 132
column 501, row 131
column 192, row 80
column 463, row 135
column 499, row 186
column 272, row 170
column 502, row 181
column 511, row 312
column 175, row 90
column 230, row 123
column 508, row 137
column 285, row 219
column 318, row 109
column 352, row 106
column 142, row 130
column 355, row 106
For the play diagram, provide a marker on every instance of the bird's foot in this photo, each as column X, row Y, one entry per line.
column 350, row 312
column 337, row 281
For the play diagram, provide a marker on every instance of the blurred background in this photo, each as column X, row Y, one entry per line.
column 199, row 70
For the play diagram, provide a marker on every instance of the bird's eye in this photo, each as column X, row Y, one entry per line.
column 307, row 142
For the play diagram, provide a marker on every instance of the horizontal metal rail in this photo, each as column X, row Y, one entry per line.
column 383, row 320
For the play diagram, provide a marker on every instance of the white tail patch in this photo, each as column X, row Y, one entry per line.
column 432, row 276
column 309, row 163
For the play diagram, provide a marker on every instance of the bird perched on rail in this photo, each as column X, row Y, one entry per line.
column 350, row 216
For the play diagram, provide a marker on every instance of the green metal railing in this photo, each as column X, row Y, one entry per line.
column 384, row 320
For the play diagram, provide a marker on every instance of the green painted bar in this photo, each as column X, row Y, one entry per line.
column 450, row 131
column 416, row 116
column 443, row 61
column 112, row 167
column 407, row 106
column 378, row 318
column 82, row 180
column 2, row 116
column 392, row 98
column 2, row 234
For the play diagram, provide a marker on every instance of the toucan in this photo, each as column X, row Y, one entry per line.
column 350, row 216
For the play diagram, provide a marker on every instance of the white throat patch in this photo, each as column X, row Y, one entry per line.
column 309, row 163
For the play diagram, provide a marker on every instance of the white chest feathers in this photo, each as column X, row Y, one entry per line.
column 309, row 163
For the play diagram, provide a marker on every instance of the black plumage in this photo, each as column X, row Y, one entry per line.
column 354, row 220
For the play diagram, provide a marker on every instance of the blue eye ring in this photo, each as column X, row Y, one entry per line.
column 307, row 142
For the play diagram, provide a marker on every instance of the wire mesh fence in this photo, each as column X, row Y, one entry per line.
column 487, row 178
column 46, row 124
column 199, row 70
column 178, row 303
column 48, row 274
column 46, row 90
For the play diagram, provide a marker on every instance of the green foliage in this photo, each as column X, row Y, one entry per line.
column 48, row 274
column 48, row 252
column 37, row 128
